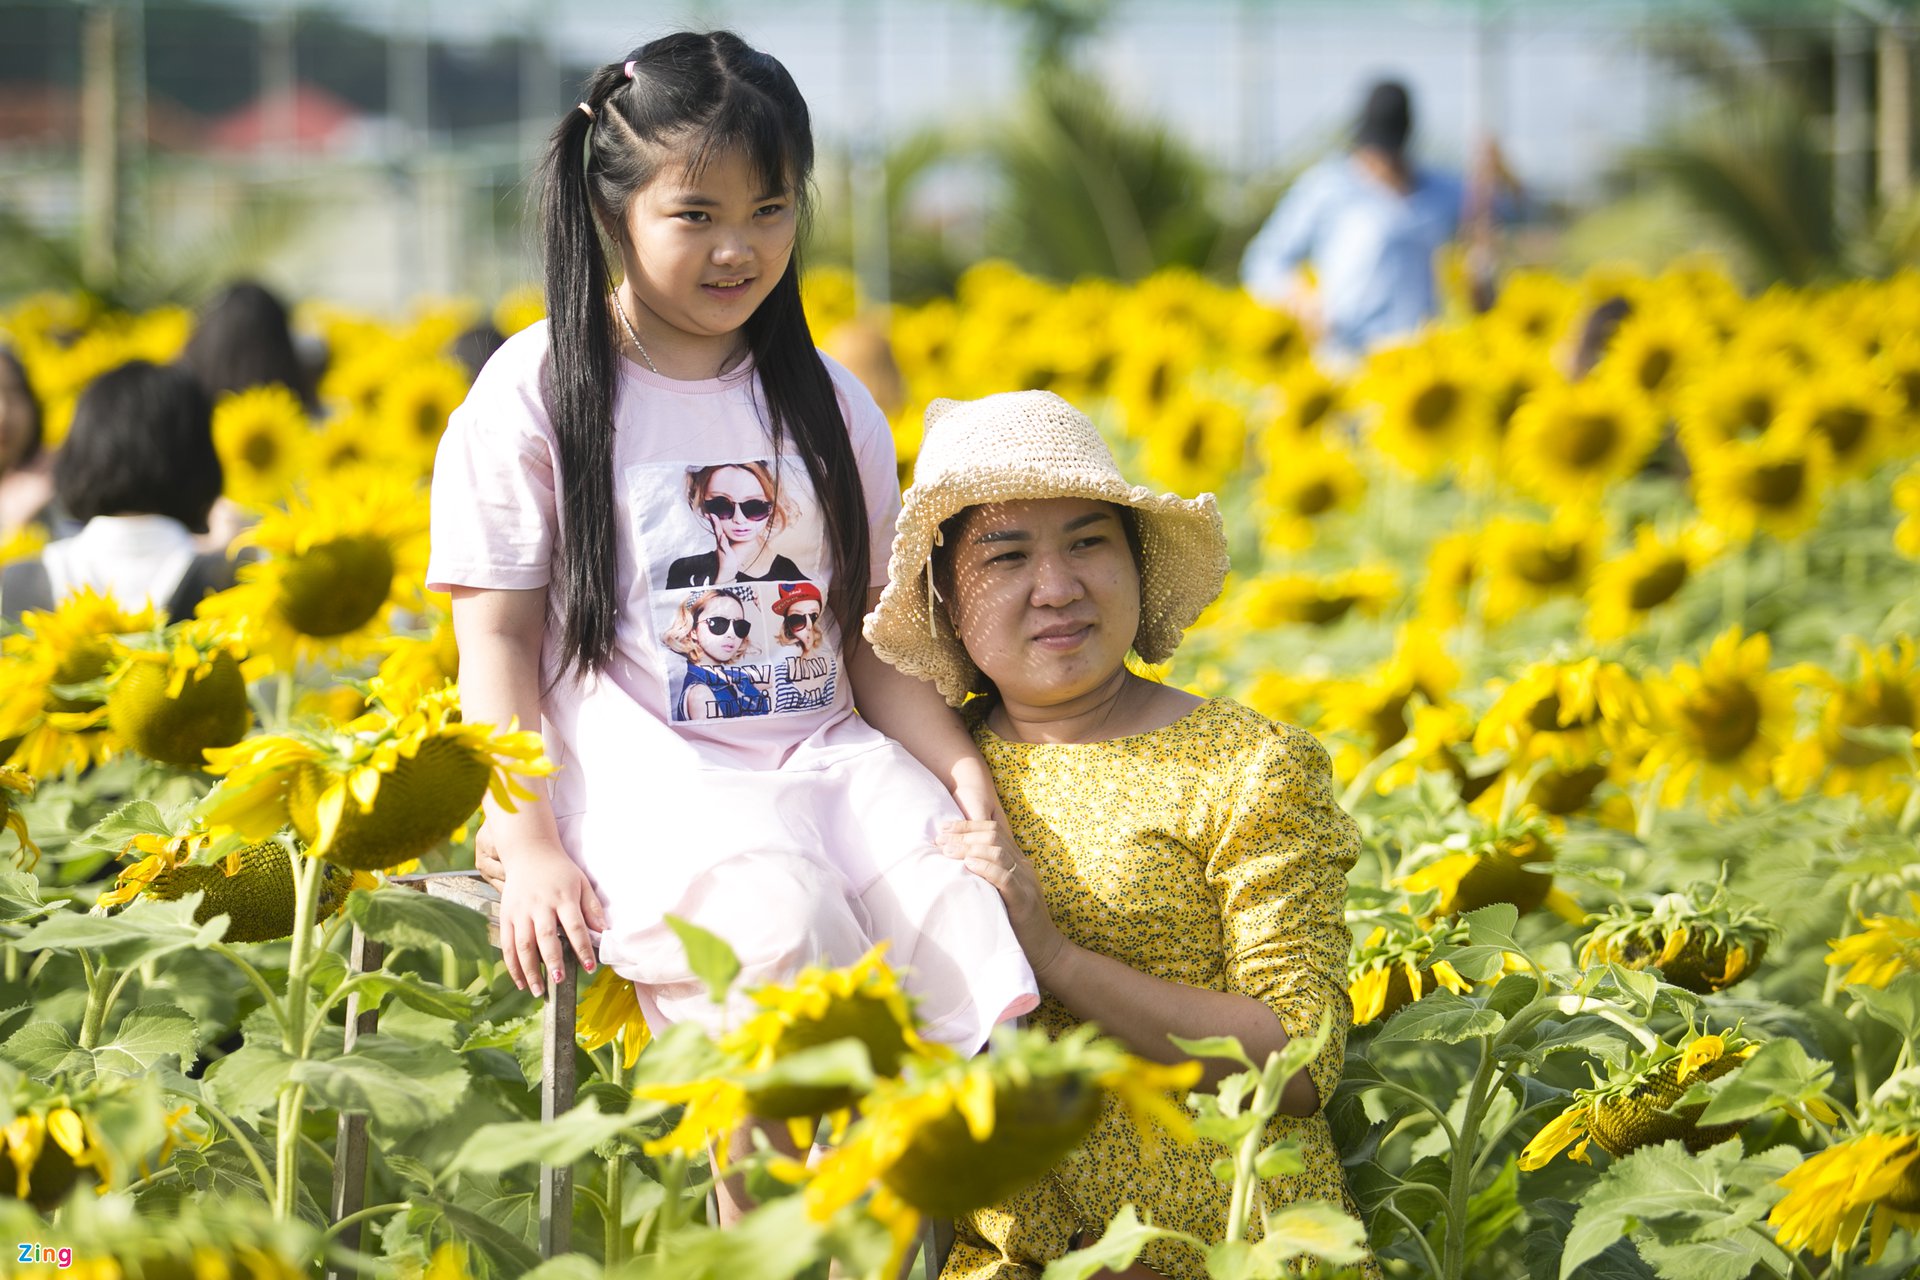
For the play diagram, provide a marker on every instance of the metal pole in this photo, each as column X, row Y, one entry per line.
column 101, row 196
column 278, row 119
column 1852, row 116
column 1894, row 140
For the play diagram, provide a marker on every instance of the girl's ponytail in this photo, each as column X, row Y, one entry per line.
column 580, row 380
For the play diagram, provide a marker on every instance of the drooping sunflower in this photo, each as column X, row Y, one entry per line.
column 1883, row 697
column 384, row 789
column 48, row 1149
column 1733, row 400
column 1632, row 1107
column 1373, row 712
column 1316, row 599
column 416, row 402
column 1886, row 947
column 15, row 785
column 1395, row 967
column 1193, row 443
column 173, row 693
column 952, row 1137
column 1630, row 586
column 610, row 1011
column 263, row 437
column 1303, row 481
column 1846, row 407
column 1431, row 409
column 1721, row 722
column 250, row 884
column 1701, row 938
column 1571, row 441
column 1773, row 485
column 1527, row 562
column 1872, row 1176
column 51, row 707
column 1492, row 863
column 1554, row 710
column 339, row 559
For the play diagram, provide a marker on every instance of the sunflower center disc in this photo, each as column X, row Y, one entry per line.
column 1727, row 720
column 1433, row 407
column 1844, row 427
column 1547, row 565
column 1885, row 707
column 1314, row 498
column 1776, row 484
column 336, row 586
column 1590, row 438
column 1657, row 584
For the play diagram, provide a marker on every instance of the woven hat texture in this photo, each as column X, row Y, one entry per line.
column 1013, row 447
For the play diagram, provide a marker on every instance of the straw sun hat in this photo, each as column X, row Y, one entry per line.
column 1030, row 445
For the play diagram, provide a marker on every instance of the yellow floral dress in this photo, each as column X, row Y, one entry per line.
column 1210, row 852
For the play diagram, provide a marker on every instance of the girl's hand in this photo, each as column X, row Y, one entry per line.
column 729, row 559
column 998, row 861
column 545, row 897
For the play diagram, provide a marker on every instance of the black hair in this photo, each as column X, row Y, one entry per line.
column 242, row 339
column 141, row 444
column 1386, row 118
column 476, row 345
column 1596, row 334
column 35, row 427
column 690, row 97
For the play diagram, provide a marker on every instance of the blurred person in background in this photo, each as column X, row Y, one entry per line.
column 1368, row 223
column 476, row 345
column 26, row 470
column 139, row 468
column 243, row 339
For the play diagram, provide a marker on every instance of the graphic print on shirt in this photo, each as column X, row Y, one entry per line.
column 735, row 553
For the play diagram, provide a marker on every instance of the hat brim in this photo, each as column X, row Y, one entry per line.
column 1183, row 565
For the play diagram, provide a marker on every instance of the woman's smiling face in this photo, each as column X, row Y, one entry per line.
column 1045, row 595
column 731, row 493
column 725, row 613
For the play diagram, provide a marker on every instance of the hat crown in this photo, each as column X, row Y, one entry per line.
column 1027, row 433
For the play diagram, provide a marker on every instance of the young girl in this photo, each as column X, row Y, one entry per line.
column 559, row 505
column 740, row 505
column 711, row 631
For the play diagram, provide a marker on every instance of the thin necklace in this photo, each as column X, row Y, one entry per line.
column 620, row 309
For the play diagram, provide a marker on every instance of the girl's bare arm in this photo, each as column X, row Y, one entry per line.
column 546, row 896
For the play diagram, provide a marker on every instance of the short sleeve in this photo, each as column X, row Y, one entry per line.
column 494, row 523
column 873, row 453
column 1283, row 847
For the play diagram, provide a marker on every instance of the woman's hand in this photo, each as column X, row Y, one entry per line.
column 728, row 563
column 545, row 897
column 987, row 852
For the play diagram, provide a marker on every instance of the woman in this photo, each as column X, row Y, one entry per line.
column 139, row 468
column 802, row 677
column 739, row 504
column 711, row 631
column 1182, row 861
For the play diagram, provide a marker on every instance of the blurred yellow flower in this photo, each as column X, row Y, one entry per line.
column 1572, row 441
column 1527, row 562
column 1721, row 722
column 1886, row 947
column 1431, row 412
column 1627, row 588
column 263, row 438
column 1772, row 485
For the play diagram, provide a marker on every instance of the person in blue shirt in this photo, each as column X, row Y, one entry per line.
column 1369, row 223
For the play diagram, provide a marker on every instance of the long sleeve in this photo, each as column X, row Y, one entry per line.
column 1283, row 847
column 1285, row 241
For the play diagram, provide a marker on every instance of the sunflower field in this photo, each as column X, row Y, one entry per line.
column 1615, row 662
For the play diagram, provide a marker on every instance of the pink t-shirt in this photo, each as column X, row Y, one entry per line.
column 724, row 654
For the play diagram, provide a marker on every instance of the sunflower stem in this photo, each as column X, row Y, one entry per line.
column 1246, row 1177
column 614, row 1244
column 99, row 996
column 1363, row 781
column 1733, row 589
column 259, row 983
column 297, row 1038
column 1460, row 1187
column 361, row 1215
column 1419, row 1237
column 283, row 700
column 240, row 1139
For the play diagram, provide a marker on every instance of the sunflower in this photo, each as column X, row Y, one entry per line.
column 1884, row 697
column 1702, row 938
column 350, row 441
column 1722, row 722
column 1394, row 968
column 416, row 402
column 1432, row 412
column 1315, row 599
column 1554, row 710
column 1309, row 402
column 1906, row 499
column 1574, row 440
column 173, row 693
column 1303, row 481
column 518, row 309
column 1843, row 405
column 1510, row 372
column 1264, row 343
column 24, row 543
column 1534, row 307
column 52, row 709
column 48, row 1149
column 831, row 297
column 1194, row 443
column 1778, row 326
column 386, row 788
column 609, row 1011
column 1773, row 485
column 417, row 665
column 1655, row 351
column 1898, row 367
column 1832, row 1193
column 1453, row 562
column 263, row 437
column 250, row 884
column 956, row 1136
column 1885, row 948
column 1474, row 869
column 1735, row 400
column 1627, row 588
column 14, row 787
column 1527, row 562
column 1150, row 371
column 1373, row 711
column 339, row 560
column 1632, row 1108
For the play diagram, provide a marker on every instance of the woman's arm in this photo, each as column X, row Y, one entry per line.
column 912, row 712
column 1137, row 1008
column 545, row 895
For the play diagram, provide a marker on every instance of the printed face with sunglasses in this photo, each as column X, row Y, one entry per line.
column 721, row 630
column 736, row 506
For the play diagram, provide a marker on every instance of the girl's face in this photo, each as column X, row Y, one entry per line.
column 736, row 505
column 1045, row 597
column 721, row 630
column 701, row 254
column 801, row 626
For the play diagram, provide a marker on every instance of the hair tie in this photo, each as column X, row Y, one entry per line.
column 585, row 110
column 629, row 68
